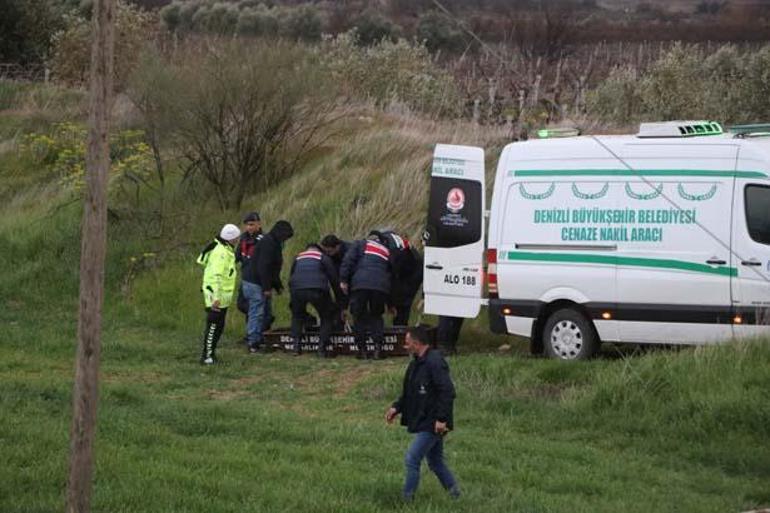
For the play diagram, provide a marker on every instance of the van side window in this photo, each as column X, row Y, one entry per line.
column 758, row 213
column 454, row 212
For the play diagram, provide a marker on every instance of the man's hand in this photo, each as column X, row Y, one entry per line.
column 344, row 287
column 215, row 305
column 391, row 414
column 268, row 293
column 440, row 428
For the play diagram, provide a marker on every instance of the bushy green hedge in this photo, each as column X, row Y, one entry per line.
column 391, row 72
column 729, row 85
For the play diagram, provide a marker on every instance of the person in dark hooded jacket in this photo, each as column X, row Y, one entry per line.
column 366, row 275
column 271, row 257
column 268, row 266
column 407, row 276
column 336, row 249
column 312, row 273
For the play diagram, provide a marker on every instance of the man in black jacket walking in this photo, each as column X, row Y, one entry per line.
column 365, row 275
column 425, row 406
column 312, row 273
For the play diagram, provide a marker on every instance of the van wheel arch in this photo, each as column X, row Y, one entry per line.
column 536, row 346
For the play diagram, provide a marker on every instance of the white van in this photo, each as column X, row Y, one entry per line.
column 662, row 237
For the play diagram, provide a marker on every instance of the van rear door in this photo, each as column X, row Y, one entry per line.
column 454, row 247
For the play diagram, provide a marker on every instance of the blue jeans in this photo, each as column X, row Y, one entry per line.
column 253, row 294
column 431, row 446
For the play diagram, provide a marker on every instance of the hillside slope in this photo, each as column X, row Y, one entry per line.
column 665, row 431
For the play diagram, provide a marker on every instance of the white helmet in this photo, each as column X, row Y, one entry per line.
column 230, row 232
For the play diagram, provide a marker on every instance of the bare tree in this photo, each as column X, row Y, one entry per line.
column 244, row 114
column 92, row 254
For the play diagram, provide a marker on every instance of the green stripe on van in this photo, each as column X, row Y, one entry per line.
column 657, row 263
column 636, row 172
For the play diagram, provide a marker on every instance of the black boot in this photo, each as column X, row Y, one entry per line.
column 378, row 351
column 361, row 354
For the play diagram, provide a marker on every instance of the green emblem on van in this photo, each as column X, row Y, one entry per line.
column 697, row 197
column 586, row 196
column 528, row 195
column 637, row 196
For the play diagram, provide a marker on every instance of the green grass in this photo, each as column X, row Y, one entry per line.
column 670, row 431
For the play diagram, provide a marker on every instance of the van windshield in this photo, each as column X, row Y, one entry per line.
column 454, row 212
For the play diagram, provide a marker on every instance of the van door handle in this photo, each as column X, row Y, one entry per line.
column 432, row 266
column 752, row 262
column 715, row 261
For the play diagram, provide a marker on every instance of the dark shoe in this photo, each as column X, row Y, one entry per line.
column 254, row 349
column 297, row 350
column 378, row 355
column 454, row 492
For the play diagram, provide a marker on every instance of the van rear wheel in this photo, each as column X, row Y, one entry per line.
column 568, row 335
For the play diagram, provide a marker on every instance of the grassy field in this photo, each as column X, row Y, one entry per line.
column 669, row 431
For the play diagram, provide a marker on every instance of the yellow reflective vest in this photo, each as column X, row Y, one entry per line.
column 219, row 274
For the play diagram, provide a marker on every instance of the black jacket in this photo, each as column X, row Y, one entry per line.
column 340, row 256
column 312, row 269
column 270, row 257
column 367, row 266
column 247, row 253
column 427, row 395
column 407, row 269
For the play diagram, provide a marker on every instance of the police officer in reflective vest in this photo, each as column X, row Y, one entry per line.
column 365, row 275
column 219, row 276
column 312, row 273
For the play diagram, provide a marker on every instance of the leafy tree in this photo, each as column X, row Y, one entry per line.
column 372, row 28
column 439, row 32
column 72, row 57
column 27, row 28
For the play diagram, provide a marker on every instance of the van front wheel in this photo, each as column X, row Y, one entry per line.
column 568, row 335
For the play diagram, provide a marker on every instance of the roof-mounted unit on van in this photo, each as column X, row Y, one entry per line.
column 547, row 133
column 755, row 130
column 679, row 129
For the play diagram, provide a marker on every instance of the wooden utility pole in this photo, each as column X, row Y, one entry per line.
column 92, row 253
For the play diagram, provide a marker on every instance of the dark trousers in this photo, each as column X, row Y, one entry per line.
column 323, row 304
column 215, row 325
column 367, row 307
column 403, row 308
column 448, row 331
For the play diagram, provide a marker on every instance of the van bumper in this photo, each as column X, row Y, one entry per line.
column 497, row 324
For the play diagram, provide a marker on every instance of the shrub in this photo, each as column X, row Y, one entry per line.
column 617, row 98
column 63, row 152
column 71, row 60
column 241, row 116
column 391, row 72
column 439, row 32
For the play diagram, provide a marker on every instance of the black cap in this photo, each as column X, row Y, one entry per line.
column 251, row 216
column 331, row 241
